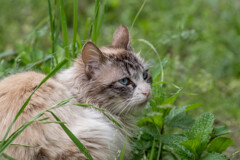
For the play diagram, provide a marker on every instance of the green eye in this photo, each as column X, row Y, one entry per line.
column 124, row 81
column 145, row 75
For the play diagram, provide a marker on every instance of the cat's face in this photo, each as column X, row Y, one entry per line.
column 119, row 80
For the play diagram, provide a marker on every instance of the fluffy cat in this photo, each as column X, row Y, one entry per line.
column 112, row 77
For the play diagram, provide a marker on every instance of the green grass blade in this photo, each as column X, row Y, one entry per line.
column 100, row 17
column 123, row 149
column 17, row 133
column 79, row 43
column 7, row 53
column 64, row 30
column 27, row 101
column 74, row 138
column 8, row 157
column 52, row 29
column 152, row 150
column 75, row 26
column 95, row 23
column 157, row 54
column 139, row 11
column 87, row 26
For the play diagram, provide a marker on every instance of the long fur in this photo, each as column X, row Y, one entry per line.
column 93, row 79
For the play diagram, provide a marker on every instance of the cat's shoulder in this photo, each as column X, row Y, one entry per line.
column 27, row 82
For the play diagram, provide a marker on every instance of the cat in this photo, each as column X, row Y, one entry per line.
column 112, row 77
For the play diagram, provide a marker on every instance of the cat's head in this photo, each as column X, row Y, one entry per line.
column 117, row 78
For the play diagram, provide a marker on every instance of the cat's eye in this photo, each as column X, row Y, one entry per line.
column 124, row 81
column 145, row 75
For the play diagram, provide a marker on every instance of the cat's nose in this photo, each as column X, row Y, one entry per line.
column 145, row 90
column 147, row 93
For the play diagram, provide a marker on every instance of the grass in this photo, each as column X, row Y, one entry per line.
column 193, row 45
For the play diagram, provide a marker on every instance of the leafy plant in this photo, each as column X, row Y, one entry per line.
column 195, row 139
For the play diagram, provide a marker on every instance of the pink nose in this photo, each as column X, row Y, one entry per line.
column 147, row 93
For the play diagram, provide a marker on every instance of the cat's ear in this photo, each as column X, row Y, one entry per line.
column 121, row 37
column 92, row 58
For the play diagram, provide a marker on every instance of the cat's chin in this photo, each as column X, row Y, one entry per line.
column 142, row 105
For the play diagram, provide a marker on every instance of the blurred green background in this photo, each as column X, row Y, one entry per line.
column 198, row 40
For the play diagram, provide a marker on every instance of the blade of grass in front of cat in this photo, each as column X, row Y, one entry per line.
column 123, row 149
column 8, row 157
column 28, row 99
column 74, row 138
column 16, row 133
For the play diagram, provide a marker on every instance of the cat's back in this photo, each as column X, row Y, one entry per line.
column 15, row 89
column 20, row 83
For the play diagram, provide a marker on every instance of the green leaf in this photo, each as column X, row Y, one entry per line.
column 220, row 130
column 156, row 117
column 193, row 106
column 192, row 145
column 181, row 121
column 143, row 121
column 178, row 118
column 219, row 144
column 7, row 53
column 202, row 126
column 74, row 138
column 172, row 99
column 201, row 131
column 173, row 141
column 214, row 156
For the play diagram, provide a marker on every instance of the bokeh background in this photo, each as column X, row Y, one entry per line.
column 198, row 42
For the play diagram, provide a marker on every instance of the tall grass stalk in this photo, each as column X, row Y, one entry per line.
column 157, row 54
column 98, row 18
column 86, row 29
column 123, row 149
column 64, row 30
column 52, row 27
column 139, row 11
column 75, row 27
